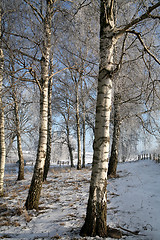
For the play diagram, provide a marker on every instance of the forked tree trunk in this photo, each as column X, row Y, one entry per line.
column 2, row 135
column 96, row 216
column 32, row 201
column 78, row 130
column 113, row 161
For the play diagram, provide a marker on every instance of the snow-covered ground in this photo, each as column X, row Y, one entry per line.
column 133, row 203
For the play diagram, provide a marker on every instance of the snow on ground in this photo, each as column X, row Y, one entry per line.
column 133, row 203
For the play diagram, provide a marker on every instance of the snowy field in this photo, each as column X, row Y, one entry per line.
column 133, row 203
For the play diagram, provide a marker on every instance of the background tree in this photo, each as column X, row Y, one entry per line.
column 63, row 109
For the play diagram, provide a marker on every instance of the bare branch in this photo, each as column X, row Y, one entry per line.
column 119, row 32
column 22, row 36
column 154, row 16
column 33, row 74
column 27, row 55
column 34, row 9
column 145, row 47
column 58, row 72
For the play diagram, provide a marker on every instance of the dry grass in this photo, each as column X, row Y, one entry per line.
column 4, row 222
column 27, row 217
column 13, row 195
column 56, row 237
column 16, row 224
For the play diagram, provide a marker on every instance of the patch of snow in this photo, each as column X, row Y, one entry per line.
column 133, row 203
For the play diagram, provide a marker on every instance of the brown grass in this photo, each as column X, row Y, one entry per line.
column 4, row 222
column 56, row 237
column 27, row 217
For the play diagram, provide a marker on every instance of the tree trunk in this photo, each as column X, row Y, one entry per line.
column 78, row 130
column 19, row 143
column 32, row 201
column 69, row 147
column 84, row 136
column 11, row 140
column 2, row 135
column 49, row 132
column 96, row 216
column 113, row 161
column 17, row 123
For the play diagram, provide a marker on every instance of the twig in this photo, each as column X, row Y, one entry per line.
column 132, row 232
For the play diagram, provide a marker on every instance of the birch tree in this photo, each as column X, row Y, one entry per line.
column 96, row 216
column 17, row 123
column 2, row 136
column 113, row 161
column 32, row 200
column 63, row 108
column 44, row 15
column 49, row 127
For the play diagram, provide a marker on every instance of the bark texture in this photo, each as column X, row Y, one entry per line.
column 19, row 143
column 49, row 132
column 2, row 135
column 113, row 161
column 84, row 136
column 2, row 140
column 32, row 201
column 95, row 222
column 69, row 145
column 96, row 217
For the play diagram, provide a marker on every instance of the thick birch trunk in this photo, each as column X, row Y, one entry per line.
column 96, row 217
column 32, row 201
column 2, row 135
column 78, row 131
column 2, row 141
column 113, row 161
column 49, row 132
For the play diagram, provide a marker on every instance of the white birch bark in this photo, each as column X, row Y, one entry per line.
column 32, row 201
column 2, row 135
column 49, row 126
column 2, row 141
column 95, row 222
column 96, row 217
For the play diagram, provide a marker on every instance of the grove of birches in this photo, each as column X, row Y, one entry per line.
column 73, row 69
